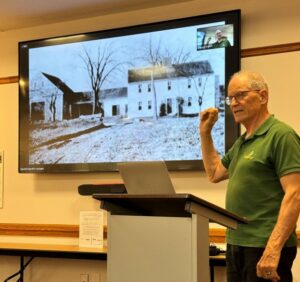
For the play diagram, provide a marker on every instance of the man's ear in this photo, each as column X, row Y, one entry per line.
column 264, row 96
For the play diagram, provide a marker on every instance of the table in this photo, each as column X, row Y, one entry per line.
column 32, row 250
column 50, row 251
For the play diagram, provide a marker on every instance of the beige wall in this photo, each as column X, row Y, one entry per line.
column 53, row 199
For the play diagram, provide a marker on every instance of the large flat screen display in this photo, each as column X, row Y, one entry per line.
column 89, row 101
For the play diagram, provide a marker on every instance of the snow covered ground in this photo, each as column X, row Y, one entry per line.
column 168, row 138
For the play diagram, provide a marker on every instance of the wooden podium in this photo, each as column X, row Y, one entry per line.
column 160, row 238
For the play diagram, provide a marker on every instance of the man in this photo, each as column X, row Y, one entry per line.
column 263, row 168
column 221, row 40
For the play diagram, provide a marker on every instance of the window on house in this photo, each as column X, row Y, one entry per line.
column 140, row 88
column 140, row 106
column 169, row 85
column 200, row 101
column 199, row 81
column 115, row 110
column 189, row 101
column 149, row 87
column 149, row 105
column 189, row 83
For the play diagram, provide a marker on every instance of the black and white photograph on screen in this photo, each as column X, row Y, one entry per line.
column 126, row 98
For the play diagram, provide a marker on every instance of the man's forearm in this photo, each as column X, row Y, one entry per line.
column 214, row 168
column 287, row 220
column 211, row 159
column 286, row 223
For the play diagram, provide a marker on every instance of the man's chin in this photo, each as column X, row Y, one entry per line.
column 237, row 118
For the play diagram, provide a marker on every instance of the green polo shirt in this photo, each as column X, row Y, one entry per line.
column 255, row 166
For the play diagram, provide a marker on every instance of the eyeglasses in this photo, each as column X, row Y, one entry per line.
column 238, row 97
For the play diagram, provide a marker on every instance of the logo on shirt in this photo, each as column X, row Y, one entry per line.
column 249, row 156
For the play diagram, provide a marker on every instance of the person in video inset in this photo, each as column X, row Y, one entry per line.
column 221, row 40
column 263, row 168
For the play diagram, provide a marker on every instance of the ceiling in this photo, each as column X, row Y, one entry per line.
column 16, row 14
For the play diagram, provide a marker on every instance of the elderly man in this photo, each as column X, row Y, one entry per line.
column 221, row 40
column 263, row 168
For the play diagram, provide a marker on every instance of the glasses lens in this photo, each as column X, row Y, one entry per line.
column 238, row 97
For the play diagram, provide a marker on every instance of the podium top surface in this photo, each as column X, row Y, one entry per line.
column 174, row 205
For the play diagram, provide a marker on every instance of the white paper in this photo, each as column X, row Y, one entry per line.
column 91, row 229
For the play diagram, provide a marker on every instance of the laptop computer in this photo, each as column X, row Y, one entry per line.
column 146, row 177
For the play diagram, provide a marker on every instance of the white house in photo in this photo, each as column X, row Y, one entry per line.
column 175, row 90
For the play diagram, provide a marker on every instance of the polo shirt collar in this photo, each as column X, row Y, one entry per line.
column 263, row 128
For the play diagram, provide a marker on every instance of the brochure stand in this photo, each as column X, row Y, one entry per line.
column 160, row 238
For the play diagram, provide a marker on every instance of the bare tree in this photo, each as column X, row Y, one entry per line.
column 100, row 68
column 155, row 54
column 52, row 106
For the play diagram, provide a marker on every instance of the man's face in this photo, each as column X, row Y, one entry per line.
column 245, row 103
column 219, row 35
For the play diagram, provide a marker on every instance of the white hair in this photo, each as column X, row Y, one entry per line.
column 255, row 80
